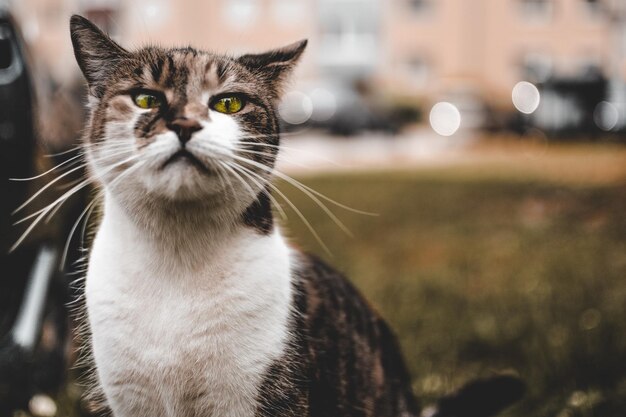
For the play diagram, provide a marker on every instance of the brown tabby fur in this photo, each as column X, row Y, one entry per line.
column 343, row 360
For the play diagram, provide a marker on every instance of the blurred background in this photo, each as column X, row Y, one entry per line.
column 488, row 135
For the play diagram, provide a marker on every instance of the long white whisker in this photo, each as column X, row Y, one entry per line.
column 52, row 182
column 45, row 209
column 126, row 172
column 296, row 184
column 225, row 151
column 282, row 213
column 300, row 215
column 267, row 135
column 86, row 222
column 89, row 208
column 48, row 171
column 53, row 212
column 53, row 155
column 43, row 212
column 245, row 184
column 60, row 201
column 72, row 230
column 48, row 185
column 271, row 155
column 221, row 174
column 291, row 148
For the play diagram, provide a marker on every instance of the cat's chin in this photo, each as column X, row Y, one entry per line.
column 182, row 181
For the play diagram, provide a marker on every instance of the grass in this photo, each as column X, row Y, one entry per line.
column 505, row 261
column 484, row 273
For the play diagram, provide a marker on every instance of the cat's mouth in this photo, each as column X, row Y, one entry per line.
column 185, row 156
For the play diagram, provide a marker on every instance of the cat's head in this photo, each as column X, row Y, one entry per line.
column 181, row 124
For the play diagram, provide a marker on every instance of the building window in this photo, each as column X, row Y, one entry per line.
column 103, row 13
column 593, row 7
column 288, row 12
column 589, row 67
column 536, row 67
column 104, row 18
column 593, row 3
column 419, row 7
column 418, row 70
column 536, row 10
column 349, row 36
column 241, row 13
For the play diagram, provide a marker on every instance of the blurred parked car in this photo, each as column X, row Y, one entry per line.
column 34, row 326
column 345, row 108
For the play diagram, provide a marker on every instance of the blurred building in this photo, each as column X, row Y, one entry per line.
column 424, row 49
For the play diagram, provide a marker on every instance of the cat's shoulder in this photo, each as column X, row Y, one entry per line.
column 319, row 284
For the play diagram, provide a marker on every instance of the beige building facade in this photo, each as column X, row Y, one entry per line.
column 427, row 49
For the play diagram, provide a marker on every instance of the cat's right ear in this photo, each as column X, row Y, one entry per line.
column 94, row 50
column 274, row 66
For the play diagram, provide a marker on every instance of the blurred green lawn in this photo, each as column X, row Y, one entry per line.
column 482, row 269
column 506, row 260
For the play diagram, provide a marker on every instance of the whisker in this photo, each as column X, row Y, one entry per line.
column 291, row 148
column 45, row 209
column 277, row 134
column 45, row 187
column 245, row 184
column 302, row 188
column 52, row 182
column 230, row 183
column 126, row 172
column 298, row 184
column 282, row 213
column 53, row 155
column 271, row 155
column 86, row 222
column 72, row 230
column 300, row 215
column 53, row 212
column 42, row 213
column 88, row 210
column 220, row 176
column 279, row 173
column 48, row 171
column 305, row 189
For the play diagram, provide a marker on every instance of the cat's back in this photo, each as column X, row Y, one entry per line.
column 343, row 349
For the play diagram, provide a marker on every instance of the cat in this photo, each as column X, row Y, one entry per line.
column 196, row 304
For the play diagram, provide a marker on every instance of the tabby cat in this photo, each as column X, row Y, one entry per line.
column 197, row 306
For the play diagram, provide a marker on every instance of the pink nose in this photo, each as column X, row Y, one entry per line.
column 184, row 128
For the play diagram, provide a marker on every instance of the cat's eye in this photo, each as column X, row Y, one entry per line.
column 228, row 105
column 147, row 101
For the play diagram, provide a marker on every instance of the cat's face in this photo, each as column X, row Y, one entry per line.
column 180, row 124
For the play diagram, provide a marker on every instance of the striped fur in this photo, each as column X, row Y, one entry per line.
column 196, row 305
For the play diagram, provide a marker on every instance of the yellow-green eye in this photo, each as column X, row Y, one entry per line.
column 147, row 101
column 228, row 105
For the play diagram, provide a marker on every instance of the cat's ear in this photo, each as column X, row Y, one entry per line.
column 95, row 51
column 275, row 65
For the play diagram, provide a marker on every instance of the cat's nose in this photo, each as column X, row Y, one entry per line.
column 184, row 128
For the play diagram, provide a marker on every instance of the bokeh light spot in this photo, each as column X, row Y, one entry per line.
column 590, row 319
column 295, row 108
column 445, row 118
column 577, row 399
column 324, row 104
column 606, row 116
column 526, row 97
column 42, row 406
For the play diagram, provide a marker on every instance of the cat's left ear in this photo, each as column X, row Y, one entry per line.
column 275, row 65
column 96, row 53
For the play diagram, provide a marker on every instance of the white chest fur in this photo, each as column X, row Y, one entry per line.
column 185, row 343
